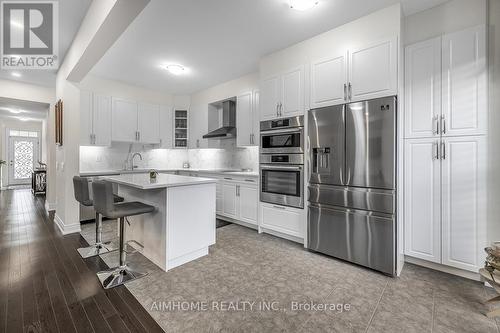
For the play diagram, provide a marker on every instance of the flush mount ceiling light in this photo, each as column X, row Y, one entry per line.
column 16, row 74
column 15, row 111
column 303, row 4
column 175, row 69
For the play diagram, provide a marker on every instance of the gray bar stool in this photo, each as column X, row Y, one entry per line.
column 104, row 204
column 82, row 195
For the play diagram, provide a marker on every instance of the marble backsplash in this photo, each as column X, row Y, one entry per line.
column 113, row 158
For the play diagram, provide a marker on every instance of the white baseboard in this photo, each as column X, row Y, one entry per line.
column 49, row 206
column 444, row 268
column 66, row 229
column 281, row 235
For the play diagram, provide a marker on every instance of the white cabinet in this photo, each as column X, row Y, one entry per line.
column 282, row 95
column 135, row 122
column 465, row 82
column 285, row 220
column 270, row 97
column 292, row 92
column 248, row 203
column 464, row 192
column 358, row 74
column 422, row 199
column 198, row 126
column 444, row 205
column 95, row 119
column 373, row 70
column 124, row 120
column 423, row 89
column 229, row 196
column 240, row 199
column 446, row 85
column 148, row 124
column 166, row 127
column 247, row 119
column 329, row 81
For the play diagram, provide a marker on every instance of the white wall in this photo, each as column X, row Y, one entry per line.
column 494, row 121
column 8, row 123
column 125, row 91
column 449, row 17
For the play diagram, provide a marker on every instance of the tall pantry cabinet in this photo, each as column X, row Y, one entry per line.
column 445, row 149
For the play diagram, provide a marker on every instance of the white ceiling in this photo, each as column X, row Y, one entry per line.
column 220, row 40
column 71, row 14
column 33, row 111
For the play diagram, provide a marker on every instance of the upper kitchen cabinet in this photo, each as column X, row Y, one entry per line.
column 95, row 119
column 148, row 125
column 269, row 99
column 124, row 120
column 329, row 81
column 423, row 89
column 446, row 85
column 180, row 128
column 464, row 75
column 247, row 119
column 362, row 73
column 198, row 126
column 166, row 127
column 133, row 122
column 373, row 70
column 283, row 95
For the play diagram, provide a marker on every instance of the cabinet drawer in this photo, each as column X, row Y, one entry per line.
column 282, row 219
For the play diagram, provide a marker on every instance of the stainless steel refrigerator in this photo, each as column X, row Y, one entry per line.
column 352, row 183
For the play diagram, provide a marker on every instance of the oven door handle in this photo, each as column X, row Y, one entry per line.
column 283, row 131
column 281, row 167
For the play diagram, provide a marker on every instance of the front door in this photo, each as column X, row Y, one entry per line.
column 23, row 154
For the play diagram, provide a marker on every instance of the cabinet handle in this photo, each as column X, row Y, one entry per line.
column 277, row 109
column 443, row 125
column 281, row 109
column 437, row 150
column 279, row 207
column 436, row 121
column 443, row 150
column 227, row 178
column 350, row 91
column 345, row 92
column 250, row 180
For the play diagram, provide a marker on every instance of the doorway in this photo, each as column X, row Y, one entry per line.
column 24, row 148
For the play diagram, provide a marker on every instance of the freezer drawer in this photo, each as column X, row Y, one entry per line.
column 364, row 238
column 371, row 143
column 353, row 197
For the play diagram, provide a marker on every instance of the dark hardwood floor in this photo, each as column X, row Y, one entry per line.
column 44, row 284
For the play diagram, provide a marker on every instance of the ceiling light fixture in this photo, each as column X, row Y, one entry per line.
column 16, row 74
column 175, row 69
column 15, row 111
column 303, row 4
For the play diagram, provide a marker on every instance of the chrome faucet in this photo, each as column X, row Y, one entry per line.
column 132, row 160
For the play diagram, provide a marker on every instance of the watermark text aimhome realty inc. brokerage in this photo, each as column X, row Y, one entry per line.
column 29, row 33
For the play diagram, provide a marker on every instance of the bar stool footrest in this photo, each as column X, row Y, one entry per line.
column 117, row 276
column 96, row 249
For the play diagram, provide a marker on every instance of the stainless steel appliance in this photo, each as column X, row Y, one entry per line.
column 352, row 183
column 282, row 162
column 228, row 128
column 284, row 136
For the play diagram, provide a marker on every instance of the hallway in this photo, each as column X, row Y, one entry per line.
column 46, row 287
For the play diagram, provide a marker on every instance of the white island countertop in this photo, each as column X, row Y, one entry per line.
column 143, row 182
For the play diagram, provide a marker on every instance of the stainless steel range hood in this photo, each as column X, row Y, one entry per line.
column 228, row 128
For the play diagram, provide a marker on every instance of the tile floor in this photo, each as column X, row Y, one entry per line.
column 247, row 267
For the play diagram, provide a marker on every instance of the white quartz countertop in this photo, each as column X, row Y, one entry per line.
column 143, row 171
column 142, row 181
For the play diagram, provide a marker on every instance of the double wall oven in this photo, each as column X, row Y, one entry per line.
column 282, row 161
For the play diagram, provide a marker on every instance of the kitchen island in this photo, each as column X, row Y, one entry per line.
column 183, row 225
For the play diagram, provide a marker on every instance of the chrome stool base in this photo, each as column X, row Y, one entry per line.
column 96, row 249
column 117, row 276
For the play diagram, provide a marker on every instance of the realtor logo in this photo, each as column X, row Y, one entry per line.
column 29, row 35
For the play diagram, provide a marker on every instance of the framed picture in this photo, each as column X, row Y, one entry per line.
column 59, row 123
